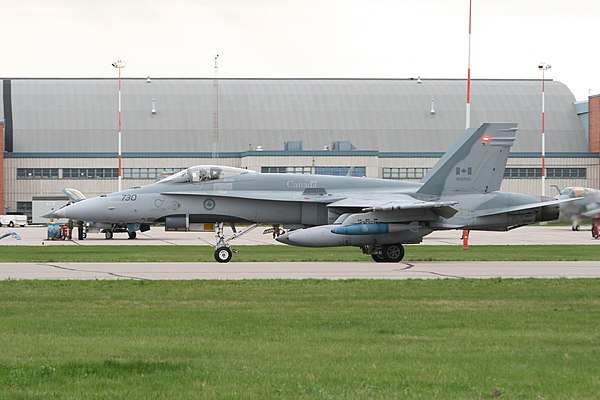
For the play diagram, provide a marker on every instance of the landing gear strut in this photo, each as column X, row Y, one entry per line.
column 223, row 252
column 391, row 253
column 595, row 232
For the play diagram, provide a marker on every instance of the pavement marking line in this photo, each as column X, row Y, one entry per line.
column 442, row 275
column 408, row 266
column 116, row 275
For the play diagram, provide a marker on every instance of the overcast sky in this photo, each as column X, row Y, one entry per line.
column 304, row 38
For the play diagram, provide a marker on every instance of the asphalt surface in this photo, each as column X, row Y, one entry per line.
column 548, row 235
column 309, row 270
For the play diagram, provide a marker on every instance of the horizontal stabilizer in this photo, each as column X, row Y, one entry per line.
column 523, row 207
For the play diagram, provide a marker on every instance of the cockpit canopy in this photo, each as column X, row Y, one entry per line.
column 201, row 173
column 574, row 192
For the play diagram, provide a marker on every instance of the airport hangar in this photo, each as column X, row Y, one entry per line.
column 63, row 132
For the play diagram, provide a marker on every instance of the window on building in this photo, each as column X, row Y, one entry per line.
column 94, row 173
column 89, row 173
column 567, row 173
column 405, row 173
column 37, row 173
column 24, row 207
column 336, row 171
column 341, row 171
column 149, row 173
column 555, row 173
column 286, row 170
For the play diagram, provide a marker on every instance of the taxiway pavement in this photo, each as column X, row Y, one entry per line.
column 547, row 235
column 305, row 270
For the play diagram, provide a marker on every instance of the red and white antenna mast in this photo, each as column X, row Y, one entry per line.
column 543, row 67
column 119, row 64
column 468, row 124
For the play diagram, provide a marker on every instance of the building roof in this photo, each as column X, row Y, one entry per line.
column 389, row 115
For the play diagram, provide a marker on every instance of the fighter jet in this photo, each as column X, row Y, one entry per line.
column 585, row 205
column 108, row 228
column 378, row 216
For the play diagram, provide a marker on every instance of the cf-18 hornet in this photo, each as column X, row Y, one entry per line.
column 584, row 207
column 377, row 215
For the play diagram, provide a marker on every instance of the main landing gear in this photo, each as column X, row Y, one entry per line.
column 391, row 253
column 123, row 228
column 223, row 252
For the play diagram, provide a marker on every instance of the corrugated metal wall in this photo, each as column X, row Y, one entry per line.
column 80, row 115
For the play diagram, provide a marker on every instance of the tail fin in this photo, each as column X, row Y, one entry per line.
column 475, row 164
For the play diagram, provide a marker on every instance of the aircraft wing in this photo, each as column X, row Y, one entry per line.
column 395, row 203
column 385, row 202
column 523, row 207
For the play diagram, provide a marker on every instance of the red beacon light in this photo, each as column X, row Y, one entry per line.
column 486, row 139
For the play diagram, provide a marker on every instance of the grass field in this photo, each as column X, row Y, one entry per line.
column 290, row 253
column 467, row 339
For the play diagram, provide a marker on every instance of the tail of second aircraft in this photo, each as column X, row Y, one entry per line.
column 475, row 164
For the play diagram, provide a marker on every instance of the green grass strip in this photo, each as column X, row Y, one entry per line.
column 436, row 339
column 289, row 253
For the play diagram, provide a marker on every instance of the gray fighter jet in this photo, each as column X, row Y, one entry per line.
column 379, row 216
column 108, row 228
column 584, row 207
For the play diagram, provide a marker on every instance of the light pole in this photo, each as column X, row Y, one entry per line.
column 468, row 124
column 543, row 67
column 119, row 65
column 465, row 235
column 215, row 150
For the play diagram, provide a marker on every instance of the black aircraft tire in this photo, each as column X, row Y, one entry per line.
column 223, row 254
column 108, row 235
column 393, row 253
column 132, row 235
column 11, row 224
column 377, row 258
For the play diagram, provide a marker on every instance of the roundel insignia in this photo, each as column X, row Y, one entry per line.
column 209, row 204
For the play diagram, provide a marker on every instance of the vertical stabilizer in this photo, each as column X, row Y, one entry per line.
column 475, row 164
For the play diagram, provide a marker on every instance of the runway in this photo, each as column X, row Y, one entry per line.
column 35, row 236
column 309, row 270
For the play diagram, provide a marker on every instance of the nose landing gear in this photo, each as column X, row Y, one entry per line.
column 223, row 252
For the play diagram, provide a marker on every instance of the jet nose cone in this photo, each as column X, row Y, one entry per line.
column 60, row 213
